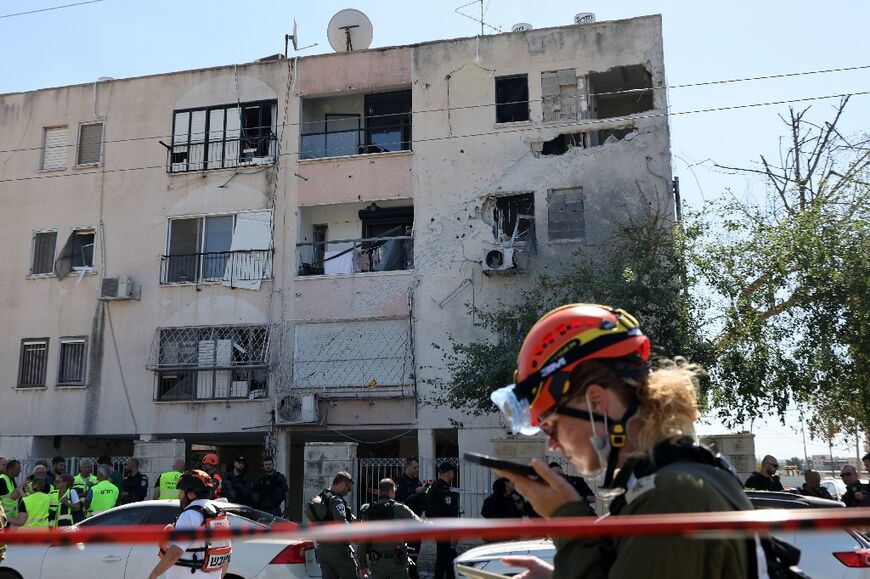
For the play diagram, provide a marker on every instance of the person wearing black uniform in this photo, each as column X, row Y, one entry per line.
column 579, row 485
column 135, row 485
column 337, row 560
column 857, row 493
column 501, row 503
column 444, row 503
column 410, row 490
column 765, row 479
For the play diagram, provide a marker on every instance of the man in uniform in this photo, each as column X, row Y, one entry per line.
column 165, row 486
column 114, row 476
column 135, row 485
column 66, row 506
column 444, row 503
column 10, row 492
column 411, row 491
column 210, row 464
column 386, row 560
column 812, row 486
column 33, row 509
column 240, row 487
column 85, row 479
column 336, row 559
column 271, row 490
column 766, row 478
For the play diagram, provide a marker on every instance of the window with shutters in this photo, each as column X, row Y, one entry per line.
column 223, row 136
column 90, row 144
column 42, row 261
column 54, row 148
column 32, row 364
column 71, row 366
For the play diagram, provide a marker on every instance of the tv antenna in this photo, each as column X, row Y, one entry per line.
column 349, row 30
column 480, row 20
column 294, row 39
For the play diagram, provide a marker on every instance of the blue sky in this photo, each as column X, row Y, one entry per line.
column 704, row 41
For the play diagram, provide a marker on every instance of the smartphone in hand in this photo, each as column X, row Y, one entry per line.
column 501, row 464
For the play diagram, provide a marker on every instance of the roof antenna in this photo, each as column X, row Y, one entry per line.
column 480, row 20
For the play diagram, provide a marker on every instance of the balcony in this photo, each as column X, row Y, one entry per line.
column 210, row 363
column 225, row 267
column 346, row 256
column 250, row 151
column 366, row 124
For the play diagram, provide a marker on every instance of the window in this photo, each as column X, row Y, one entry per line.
column 77, row 253
column 90, row 144
column 514, row 217
column 223, row 136
column 388, row 122
column 620, row 91
column 214, row 362
column 389, row 254
column 43, row 252
column 566, row 218
column 71, row 366
column 562, row 95
column 54, row 148
column 234, row 248
column 31, row 367
column 511, row 98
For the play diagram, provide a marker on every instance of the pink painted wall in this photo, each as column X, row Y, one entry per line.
column 359, row 178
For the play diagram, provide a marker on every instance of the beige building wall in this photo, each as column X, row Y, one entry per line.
column 461, row 163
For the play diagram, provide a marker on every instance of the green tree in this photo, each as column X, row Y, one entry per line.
column 788, row 276
column 640, row 268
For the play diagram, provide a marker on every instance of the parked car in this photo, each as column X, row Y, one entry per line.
column 839, row 553
column 253, row 558
column 835, row 486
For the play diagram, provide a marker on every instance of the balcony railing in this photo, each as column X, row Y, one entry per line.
column 249, row 151
column 343, row 256
column 358, row 141
column 219, row 266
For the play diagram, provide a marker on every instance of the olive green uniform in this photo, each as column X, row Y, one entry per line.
column 679, row 487
column 336, row 559
column 386, row 560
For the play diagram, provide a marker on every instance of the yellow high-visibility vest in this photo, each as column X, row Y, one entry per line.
column 167, row 483
column 37, row 506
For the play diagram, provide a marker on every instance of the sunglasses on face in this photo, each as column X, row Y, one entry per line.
column 845, row 474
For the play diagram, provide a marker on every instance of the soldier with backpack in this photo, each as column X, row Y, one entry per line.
column 336, row 559
column 385, row 560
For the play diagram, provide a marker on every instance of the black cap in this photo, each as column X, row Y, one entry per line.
column 240, row 459
column 446, row 467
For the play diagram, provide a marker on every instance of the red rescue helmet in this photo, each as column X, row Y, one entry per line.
column 195, row 481
column 211, row 459
column 565, row 338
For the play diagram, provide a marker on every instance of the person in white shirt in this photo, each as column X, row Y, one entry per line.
column 200, row 558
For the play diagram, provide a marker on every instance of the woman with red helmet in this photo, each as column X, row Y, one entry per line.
column 583, row 379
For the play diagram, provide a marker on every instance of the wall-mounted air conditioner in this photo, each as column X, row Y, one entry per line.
column 296, row 409
column 499, row 260
column 117, row 288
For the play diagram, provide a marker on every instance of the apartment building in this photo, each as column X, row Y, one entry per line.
column 276, row 252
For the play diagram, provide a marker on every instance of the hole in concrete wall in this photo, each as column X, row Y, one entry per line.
column 566, row 217
column 563, row 142
column 513, row 217
column 607, row 136
column 563, row 95
column 621, row 90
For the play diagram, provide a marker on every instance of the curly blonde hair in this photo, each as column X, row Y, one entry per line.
column 667, row 402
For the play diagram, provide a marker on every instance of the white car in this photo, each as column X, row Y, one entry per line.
column 253, row 558
column 840, row 554
column 835, row 486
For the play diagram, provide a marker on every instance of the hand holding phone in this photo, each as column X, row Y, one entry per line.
column 501, row 464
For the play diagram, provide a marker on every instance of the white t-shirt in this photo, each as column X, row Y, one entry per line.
column 189, row 519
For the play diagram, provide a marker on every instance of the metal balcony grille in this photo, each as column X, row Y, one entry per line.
column 214, row 362
column 220, row 266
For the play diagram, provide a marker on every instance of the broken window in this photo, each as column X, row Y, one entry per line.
column 71, row 365
column 386, row 223
column 43, row 252
column 32, row 363
column 223, row 136
column 90, row 144
column 566, row 218
column 77, row 253
column 511, row 98
column 620, row 91
column 514, row 217
column 563, row 142
column 607, row 136
column 563, row 95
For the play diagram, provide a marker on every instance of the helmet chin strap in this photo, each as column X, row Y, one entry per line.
column 617, row 431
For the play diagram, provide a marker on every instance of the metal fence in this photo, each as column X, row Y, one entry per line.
column 216, row 266
column 473, row 482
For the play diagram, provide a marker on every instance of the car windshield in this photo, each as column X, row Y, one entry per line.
column 254, row 515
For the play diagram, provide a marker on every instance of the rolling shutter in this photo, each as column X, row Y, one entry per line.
column 90, row 143
column 54, row 148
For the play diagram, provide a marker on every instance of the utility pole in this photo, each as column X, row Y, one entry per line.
column 481, row 17
column 804, row 435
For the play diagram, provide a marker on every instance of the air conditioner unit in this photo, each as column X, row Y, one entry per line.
column 501, row 259
column 117, row 288
column 296, row 409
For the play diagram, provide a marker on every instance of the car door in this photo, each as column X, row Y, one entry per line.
column 143, row 556
column 96, row 559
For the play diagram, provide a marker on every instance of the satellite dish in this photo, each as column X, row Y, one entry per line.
column 521, row 27
column 349, row 30
column 584, row 18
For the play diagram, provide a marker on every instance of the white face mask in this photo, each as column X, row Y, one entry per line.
column 601, row 446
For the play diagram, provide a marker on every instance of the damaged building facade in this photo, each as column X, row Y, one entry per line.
column 277, row 253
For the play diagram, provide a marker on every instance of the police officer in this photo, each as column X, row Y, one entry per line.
column 166, row 486
column 444, row 503
column 336, row 559
column 240, row 487
column 103, row 495
column 411, row 491
column 385, row 560
column 182, row 559
column 135, row 485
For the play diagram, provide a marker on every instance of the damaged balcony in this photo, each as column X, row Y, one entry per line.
column 353, row 238
column 356, row 124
